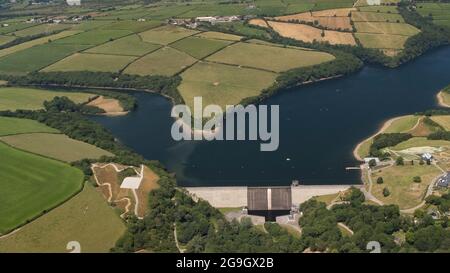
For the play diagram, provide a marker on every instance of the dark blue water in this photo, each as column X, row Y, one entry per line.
column 320, row 124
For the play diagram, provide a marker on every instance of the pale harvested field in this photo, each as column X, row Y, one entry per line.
column 334, row 12
column 308, row 34
column 258, row 22
column 330, row 22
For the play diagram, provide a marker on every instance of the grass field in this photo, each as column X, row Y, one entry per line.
column 219, row 36
column 403, row 124
column 85, row 218
column 386, row 28
column 13, row 98
column 13, row 126
column 57, row 146
column 199, row 47
column 444, row 121
column 133, row 26
column 420, row 142
column 6, row 39
column 439, row 12
column 41, row 29
column 166, row 34
column 399, row 180
column 276, row 59
column 400, row 125
column 130, row 45
column 36, row 42
column 386, row 41
column 91, row 62
column 165, row 61
column 14, row 27
column 382, row 9
column 36, row 58
column 32, row 184
column 222, row 84
column 377, row 17
column 94, row 37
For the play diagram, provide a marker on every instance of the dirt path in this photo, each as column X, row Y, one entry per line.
column 181, row 250
column 346, row 228
column 109, row 199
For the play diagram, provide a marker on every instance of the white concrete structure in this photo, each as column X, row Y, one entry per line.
column 233, row 197
column 221, row 197
column 133, row 182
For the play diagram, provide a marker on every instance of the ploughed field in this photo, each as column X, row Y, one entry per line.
column 371, row 26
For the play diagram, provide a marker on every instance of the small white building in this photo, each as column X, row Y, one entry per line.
column 73, row 2
column 427, row 156
column 368, row 159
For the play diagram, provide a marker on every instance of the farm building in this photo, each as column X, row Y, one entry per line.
column 73, row 2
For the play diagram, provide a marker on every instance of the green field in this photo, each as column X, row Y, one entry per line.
column 165, row 61
column 386, row 28
column 57, row 146
column 6, row 39
column 41, row 29
column 420, row 142
column 212, row 9
column 31, row 184
column 377, row 17
column 36, row 58
column 386, row 41
column 91, row 62
column 219, row 36
column 444, row 121
column 36, row 42
column 13, row 98
column 382, row 9
column 133, row 26
column 13, row 126
column 130, row 45
column 14, row 27
column 166, row 34
column 94, row 37
column 275, row 58
column 199, row 47
column 402, row 124
column 399, row 180
column 440, row 12
column 86, row 218
column 223, row 84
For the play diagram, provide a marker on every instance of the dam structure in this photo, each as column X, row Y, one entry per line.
column 276, row 198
